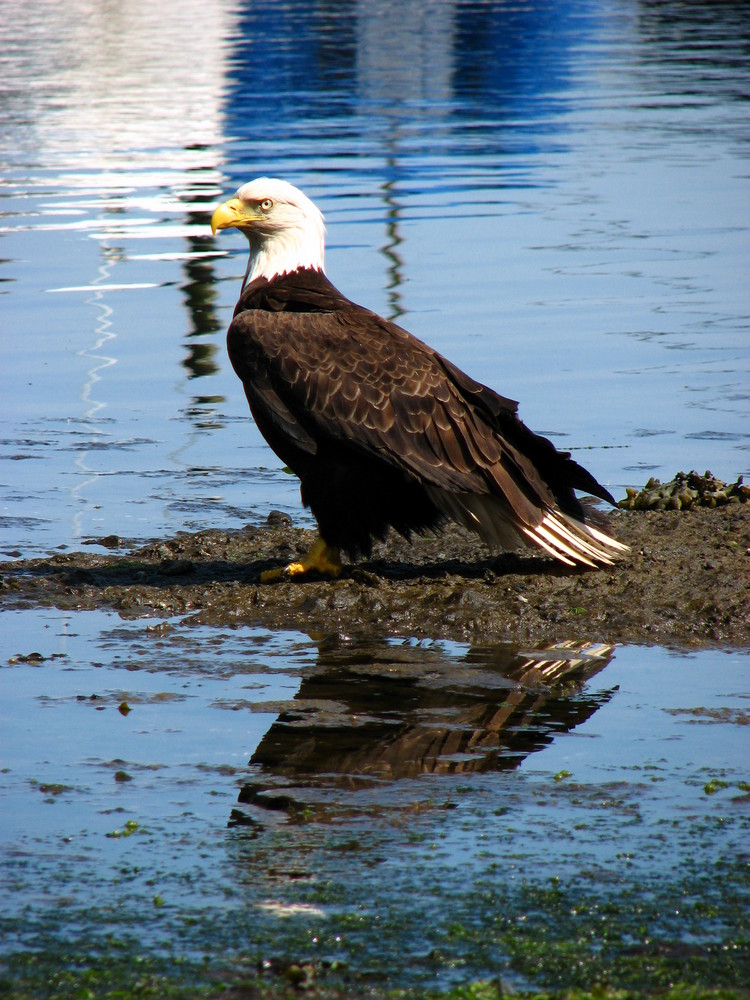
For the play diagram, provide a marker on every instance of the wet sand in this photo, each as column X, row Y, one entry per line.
column 685, row 583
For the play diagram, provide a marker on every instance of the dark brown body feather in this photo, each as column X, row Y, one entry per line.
column 377, row 425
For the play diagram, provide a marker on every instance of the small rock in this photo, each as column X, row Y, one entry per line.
column 278, row 519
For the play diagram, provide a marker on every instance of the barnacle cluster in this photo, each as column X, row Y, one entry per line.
column 685, row 491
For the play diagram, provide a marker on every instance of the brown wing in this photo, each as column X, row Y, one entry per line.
column 349, row 375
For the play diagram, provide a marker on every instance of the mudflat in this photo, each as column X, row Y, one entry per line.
column 686, row 582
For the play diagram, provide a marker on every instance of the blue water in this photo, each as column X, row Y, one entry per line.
column 126, row 747
column 555, row 195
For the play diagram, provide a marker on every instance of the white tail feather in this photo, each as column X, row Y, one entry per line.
column 557, row 544
column 561, row 535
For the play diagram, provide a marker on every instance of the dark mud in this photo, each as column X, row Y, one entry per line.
column 685, row 583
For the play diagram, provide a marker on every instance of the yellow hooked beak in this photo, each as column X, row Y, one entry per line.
column 234, row 213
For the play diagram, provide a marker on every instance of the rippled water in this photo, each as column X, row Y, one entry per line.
column 555, row 195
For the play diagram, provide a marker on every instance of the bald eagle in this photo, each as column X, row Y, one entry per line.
column 382, row 431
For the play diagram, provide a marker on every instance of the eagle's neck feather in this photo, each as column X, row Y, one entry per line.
column 284, row 252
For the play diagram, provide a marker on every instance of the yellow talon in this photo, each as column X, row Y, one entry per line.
column 320, row 559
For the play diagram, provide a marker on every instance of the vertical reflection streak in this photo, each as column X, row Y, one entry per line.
column 103, row 334
column 394, row 241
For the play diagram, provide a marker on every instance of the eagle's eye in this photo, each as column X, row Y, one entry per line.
column 266, row 204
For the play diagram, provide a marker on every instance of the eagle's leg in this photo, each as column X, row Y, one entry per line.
column 321, row 558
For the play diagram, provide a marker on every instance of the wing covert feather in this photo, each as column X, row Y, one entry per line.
column 353, row 377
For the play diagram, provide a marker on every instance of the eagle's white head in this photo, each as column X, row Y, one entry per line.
column 285, row 230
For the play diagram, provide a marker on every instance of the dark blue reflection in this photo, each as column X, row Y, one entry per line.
column 518, row 57
column 408, row 78
column 291, row 61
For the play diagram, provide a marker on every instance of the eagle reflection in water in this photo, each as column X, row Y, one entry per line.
column 369, row 716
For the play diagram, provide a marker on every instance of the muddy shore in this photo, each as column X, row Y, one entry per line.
column 685, row 583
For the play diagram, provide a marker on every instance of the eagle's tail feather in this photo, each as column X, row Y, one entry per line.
column 575, row 542
column 568, row 539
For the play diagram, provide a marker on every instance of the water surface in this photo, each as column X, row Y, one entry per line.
column 553, row 195
column 395, row 806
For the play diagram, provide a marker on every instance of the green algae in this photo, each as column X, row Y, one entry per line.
column 714, row 785
column 73, row 976
column 428, row 930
